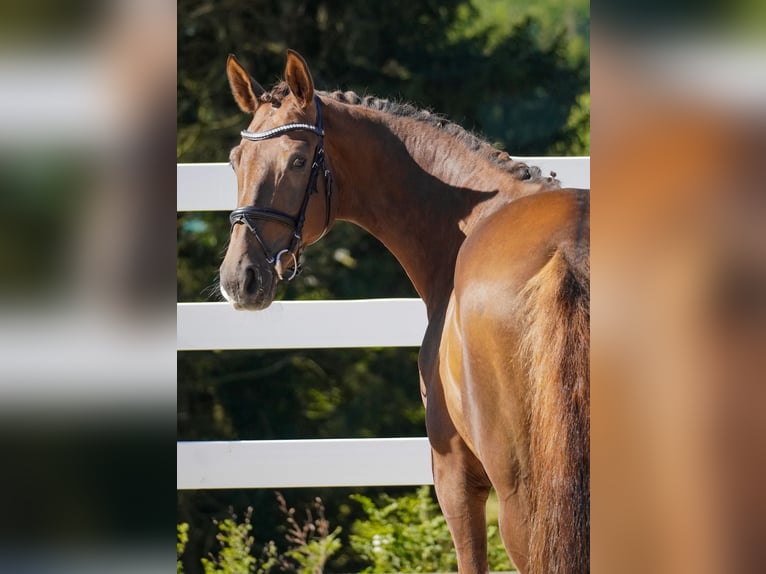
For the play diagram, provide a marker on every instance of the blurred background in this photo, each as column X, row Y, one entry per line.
column 515, row 72
column 87, row 335
column 678, row 327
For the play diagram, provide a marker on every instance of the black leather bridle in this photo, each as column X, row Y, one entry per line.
column 248, row 213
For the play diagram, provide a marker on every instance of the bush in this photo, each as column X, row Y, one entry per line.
column 234, row 556
column 310, row 544
column 410, row 534
column 405, row 534
column 182, row 538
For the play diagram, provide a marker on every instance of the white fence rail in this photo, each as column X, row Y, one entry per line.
column 213, row 186
column 305, row 324
column 304, row 463
column 302, row 325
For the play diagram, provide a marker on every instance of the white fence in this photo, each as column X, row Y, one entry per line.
column 305, row 324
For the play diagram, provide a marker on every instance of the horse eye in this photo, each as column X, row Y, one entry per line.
column 299, row 162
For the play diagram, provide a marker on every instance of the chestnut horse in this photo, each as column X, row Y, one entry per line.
column 500, row 256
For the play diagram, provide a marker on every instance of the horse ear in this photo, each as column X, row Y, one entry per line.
column 299, row 78
column 244, row 88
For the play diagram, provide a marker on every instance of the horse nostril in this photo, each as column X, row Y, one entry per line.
column 251, row 284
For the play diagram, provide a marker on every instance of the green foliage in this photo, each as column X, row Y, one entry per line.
column 235, row 543
column 310, row 544
column 495, row 19
column 405, row 534
column 182, row 539
column 578, row 126
column 496, row 554
column 453, row 56
column 409, row 534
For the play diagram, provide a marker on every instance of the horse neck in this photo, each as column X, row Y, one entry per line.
column 413, row 187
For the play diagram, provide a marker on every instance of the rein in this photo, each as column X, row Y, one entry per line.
column 246, row 214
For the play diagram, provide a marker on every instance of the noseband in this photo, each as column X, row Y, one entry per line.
column 248, row 213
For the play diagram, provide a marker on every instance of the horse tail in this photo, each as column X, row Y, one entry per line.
column 556, row 346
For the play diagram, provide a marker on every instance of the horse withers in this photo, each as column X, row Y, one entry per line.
column 500, row 256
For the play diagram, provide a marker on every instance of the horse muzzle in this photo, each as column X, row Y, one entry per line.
column 250, row 287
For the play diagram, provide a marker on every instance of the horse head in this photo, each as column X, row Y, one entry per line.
column 284, row 185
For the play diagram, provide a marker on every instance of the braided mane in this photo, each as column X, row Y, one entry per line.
column 519, row 170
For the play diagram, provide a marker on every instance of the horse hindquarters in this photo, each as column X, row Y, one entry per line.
column 522, row 298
